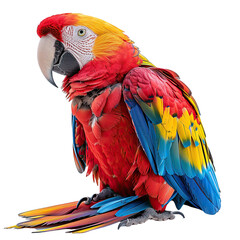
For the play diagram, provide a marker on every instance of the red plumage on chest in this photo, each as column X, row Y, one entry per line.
column 109, row 135
column 114, row 152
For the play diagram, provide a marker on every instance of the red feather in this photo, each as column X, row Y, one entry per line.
column 54, row 24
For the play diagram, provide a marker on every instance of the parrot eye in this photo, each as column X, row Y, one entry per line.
column 81, row 32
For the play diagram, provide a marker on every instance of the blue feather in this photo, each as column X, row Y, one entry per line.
column 203, row 195
column 212, row 178
column 169, row 159
column 100, row 204
column 75, row 148
column 170, row 199
column 168, row 165
column 134, row 207
column 130, row 102
column 139, row 120
column 116, row 204
column 174, row 157
column 187, row 167
column 152, row 113
column 179, row 201
column 176, row 183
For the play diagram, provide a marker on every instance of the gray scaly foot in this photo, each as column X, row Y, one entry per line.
column 149, row 213
column 104, row 194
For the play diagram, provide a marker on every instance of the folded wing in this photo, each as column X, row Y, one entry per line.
column 168, row 125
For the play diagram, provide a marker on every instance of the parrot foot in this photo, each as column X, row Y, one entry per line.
column 149, row 213
column 104, row 194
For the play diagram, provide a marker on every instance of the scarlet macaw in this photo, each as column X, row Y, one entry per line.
column 136, row 128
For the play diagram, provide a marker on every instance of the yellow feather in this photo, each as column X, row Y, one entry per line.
column 15, row 226
column 183, row 126
column 206, row 157
column 185, row 156
column 46, row 211
column 170, row 124
column 195, row 159
column 181, row 131
column 201, row 132
column 99, row 26
column 106, row 44
column 201, row 157
column 174, row 128
column 87, row 229
column 145, row 61
column 158, row 104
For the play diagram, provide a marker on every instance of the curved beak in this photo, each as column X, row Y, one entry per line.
column 46, row 52
column 52, row 56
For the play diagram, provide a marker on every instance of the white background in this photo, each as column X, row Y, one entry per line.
column 197, row 39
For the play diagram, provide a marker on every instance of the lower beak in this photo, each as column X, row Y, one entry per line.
column 52, row 56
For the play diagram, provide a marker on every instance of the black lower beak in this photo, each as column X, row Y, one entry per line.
column 64, row 62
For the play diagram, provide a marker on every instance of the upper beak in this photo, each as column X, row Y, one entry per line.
column 46, row 52
column 52, row 56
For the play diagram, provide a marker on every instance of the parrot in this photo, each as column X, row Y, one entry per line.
column 136, row 128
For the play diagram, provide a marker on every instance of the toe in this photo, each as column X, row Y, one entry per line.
column 178, row 213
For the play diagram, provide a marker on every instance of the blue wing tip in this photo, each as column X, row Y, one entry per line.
column 125, row 205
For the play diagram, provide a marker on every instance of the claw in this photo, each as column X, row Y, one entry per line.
column 104, row 194
column 94, row 197
column 86, row 200
column 178, row 213
column 122, row 223
column 149, row 213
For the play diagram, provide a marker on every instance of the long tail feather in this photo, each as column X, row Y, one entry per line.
column 85, row 217
column 53, row 210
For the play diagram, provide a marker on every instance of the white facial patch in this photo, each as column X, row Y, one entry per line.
column 79, row 41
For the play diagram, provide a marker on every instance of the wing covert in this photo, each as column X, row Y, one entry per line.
column 168, row 125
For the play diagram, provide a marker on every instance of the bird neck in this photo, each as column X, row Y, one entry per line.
column 102, row 72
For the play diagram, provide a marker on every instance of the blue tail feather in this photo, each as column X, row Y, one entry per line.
column 108, row 200
column 116, row 204
column 134, row 207
column 125, row 205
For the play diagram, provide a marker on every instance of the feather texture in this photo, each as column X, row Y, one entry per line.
column 85, row 217
column 168, row 125
column 135, row 127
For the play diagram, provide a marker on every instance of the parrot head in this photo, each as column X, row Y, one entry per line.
column 84, row 49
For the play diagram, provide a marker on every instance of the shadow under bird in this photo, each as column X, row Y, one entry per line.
column 135, row 127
